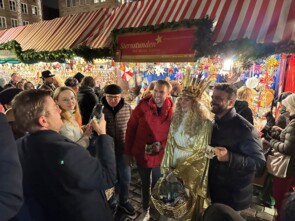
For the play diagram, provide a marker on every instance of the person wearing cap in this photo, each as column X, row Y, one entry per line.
column 117, row 113
column 48, row 80
column 7, row 95
column 286, row 146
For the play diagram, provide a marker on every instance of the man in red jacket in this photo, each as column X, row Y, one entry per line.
column 146, row 136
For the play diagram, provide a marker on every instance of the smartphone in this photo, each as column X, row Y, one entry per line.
column 97, row 112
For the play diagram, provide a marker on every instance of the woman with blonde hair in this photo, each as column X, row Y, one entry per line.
column 188, row 139
column 244, row 102
column 66, row 99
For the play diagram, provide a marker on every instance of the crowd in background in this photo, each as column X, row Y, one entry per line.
column 72, row 144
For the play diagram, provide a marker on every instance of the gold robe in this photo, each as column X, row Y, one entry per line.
column 192, row 169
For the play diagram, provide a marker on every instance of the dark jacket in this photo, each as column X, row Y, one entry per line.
column 87, row 99
column 62, row 181
column 230, row 182
column 147, row 126
column 11, row 192
column 117, row 119
column 242, row 108
column 286, row 145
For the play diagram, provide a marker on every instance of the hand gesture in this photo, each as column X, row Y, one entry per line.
column 99, row 126
column 87, row 129
column 222, row 154
column 130, row 160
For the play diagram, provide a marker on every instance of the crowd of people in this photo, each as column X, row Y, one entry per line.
column 59, row 160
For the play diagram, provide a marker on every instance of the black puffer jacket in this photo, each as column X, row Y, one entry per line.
column 87, row 99
column 231, row 182
column 242, row 108
column 286, row 145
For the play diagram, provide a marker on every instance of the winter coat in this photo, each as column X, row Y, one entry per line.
column 87, row 99
column 146, row 126
column 11, row 192
column 286, row 145
column 62, row 181
column 117, row 119
column 243, row 109
column 72, row 131
column 230, row 182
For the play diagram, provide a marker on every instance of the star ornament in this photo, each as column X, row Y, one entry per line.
column 159, row 39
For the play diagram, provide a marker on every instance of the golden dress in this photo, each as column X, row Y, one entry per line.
column 185, row 155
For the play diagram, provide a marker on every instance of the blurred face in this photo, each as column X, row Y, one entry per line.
column 220, row 104
column 29, row 86
column 49, row 80
column 186, row 103
column 113, row 99
column 161, row 92
column 52, row 115
column 67, row 100
column 16, row 78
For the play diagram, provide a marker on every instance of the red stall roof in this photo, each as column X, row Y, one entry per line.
column 264, row 21
column 60, row 33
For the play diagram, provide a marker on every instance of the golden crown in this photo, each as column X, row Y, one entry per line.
column 194, row 86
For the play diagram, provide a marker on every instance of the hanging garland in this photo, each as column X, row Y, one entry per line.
column 32, row 56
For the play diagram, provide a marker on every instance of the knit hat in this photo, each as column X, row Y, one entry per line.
column 79, row 76
column 113, row 89
column 7, row 95
column 290, row 103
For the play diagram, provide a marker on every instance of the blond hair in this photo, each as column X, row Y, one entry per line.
column 65, row 114
column 197, row 114
column 245, row 93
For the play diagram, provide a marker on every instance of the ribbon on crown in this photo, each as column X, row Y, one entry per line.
column 194, row 86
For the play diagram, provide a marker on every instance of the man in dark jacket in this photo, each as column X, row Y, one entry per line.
column 61, row 180
column 87, row 99
column 11, row 192
column 238, row 152
column 117, row 113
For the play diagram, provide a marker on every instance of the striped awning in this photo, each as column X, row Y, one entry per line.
column 60, row 33
column 264, row 21
column 11, row 34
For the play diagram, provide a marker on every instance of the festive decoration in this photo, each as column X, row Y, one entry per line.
column 252, row 82
column 32, row 56
column 203, row 34
column 126, row 74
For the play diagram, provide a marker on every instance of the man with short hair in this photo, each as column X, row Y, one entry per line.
column 61, row 180
column 15, row 77
column 146, row 135
column 117, row 113
column 48, row 80
column 238, row 152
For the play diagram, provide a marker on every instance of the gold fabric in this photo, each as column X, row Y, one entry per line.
column 193, row 170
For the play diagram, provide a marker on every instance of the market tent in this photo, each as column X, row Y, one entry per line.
column 60, row 33
column 262, row 21
column 11, row 34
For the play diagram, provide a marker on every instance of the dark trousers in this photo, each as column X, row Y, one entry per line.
column 149, row 177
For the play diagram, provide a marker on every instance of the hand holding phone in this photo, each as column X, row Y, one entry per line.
column 97, row 112
column 99, row 126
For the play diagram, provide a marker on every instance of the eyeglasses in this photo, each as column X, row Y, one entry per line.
column 113, row 97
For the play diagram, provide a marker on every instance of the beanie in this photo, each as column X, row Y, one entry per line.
column 113, row 89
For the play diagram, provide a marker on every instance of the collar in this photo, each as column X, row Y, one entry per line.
column 229, row 115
